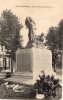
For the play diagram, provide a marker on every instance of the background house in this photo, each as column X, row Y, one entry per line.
column 5, row 60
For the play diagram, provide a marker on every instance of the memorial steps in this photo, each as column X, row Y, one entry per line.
column 23, row 74
column 22, row 77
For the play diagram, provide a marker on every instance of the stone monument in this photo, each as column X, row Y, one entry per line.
column 32, row 59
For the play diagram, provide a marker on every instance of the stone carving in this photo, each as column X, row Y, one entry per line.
column 30, row 24
column 33, row 42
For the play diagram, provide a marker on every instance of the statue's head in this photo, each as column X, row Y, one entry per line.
column 29, row 22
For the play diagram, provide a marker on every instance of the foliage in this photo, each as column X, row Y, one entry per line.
column 46, row 85
column 60, row 34
column 54, row 37
column 10, row 31
column 54, row 42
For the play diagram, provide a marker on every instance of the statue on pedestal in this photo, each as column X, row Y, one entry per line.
column 30, row 24
column 33, row 41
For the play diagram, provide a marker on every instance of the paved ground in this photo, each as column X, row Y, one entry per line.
column 27, row 78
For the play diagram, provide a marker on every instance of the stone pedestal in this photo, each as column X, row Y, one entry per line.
column 42, row 60
column 33, row 60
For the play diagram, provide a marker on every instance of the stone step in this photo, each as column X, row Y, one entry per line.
column 23, row 74
column 21, row 79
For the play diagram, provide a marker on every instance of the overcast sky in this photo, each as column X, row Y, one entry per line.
column 43, row 17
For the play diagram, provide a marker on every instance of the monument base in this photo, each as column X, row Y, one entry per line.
column 34, row 60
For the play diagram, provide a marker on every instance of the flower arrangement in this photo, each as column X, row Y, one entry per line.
column 46, row 85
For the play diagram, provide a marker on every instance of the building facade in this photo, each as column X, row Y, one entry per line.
column 5, row 60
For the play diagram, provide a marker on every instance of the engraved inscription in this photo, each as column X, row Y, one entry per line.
column 24, row 62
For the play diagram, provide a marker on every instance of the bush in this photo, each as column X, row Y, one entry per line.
column 46, row 85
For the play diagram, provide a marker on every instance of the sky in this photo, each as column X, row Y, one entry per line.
column 43, row 16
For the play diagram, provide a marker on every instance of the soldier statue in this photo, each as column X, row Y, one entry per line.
column 30, row 24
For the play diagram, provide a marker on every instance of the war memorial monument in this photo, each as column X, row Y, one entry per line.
column 32, row 59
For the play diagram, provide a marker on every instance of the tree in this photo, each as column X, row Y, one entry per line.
column 60, row 34
column 54, row 41
column 10, row 32
column 52, row 38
